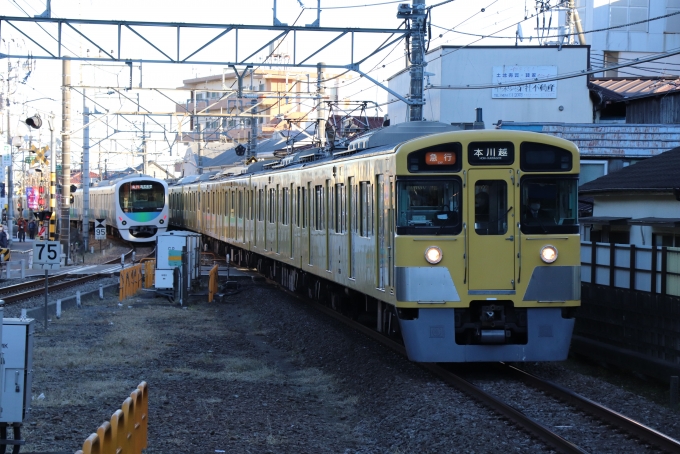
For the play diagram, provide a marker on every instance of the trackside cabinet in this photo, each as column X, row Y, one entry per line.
column 17, row 369
column 177, row 250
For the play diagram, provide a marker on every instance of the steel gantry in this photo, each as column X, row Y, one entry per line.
column 187, row 43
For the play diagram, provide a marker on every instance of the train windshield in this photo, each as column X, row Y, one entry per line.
column 428, row 206
column 141, row 196
column 549, row 205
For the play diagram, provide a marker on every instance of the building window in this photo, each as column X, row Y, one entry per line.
column 591, row 170
column 623, row 12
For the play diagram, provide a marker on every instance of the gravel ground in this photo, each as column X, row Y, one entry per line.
column 261, row 372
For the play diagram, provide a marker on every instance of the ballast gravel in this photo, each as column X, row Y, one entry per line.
column 261, row 372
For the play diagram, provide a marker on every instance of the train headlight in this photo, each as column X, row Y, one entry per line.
column 549, row 253
column 433, row 255
column 161, row 222
column 124, row 222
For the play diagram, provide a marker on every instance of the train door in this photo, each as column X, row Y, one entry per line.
column 390, row 234
column 381, row 233
column 491, row 231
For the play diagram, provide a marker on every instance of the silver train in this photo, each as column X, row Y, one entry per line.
column 135, row 207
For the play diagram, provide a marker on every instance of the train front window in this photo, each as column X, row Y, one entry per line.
column 427, row 206
column 549, row 205
column 142, row 196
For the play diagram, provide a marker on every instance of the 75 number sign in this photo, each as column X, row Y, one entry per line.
column 46, row 255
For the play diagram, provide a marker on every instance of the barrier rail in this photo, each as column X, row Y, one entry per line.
column 130, row 281
column 213, row 283
column 149, row 272
column 127, row 430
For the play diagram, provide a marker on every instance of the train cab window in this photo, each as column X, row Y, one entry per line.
column 142, row 197
column 491, row 212
column 549, row 205
column 427, row 206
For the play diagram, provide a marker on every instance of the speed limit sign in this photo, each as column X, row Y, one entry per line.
column 100, row 229
column 46, row 255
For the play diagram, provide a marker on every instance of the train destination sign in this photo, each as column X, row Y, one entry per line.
column 140, row 186
column 491, row 153
column 440, row 158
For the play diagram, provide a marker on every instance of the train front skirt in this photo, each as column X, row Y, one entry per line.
column 431, row 338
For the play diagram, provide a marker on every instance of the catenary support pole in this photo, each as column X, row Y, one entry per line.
column 64, row 231
column 86, row 173
column 417, row 53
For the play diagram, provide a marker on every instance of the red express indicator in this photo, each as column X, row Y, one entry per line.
column 140, row 186
column 439, row 158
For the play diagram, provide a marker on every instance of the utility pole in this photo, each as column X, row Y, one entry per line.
column 10, row 168
column 64, row 230
column 86, row 172
column 52, row 234
column 417, row 17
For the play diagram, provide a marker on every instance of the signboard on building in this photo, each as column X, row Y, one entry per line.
column 6, row 155
column 506, row 76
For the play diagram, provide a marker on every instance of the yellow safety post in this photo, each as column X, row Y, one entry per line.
column 143, row 410
column 91, row 446
column 212, row 283
column 149, row 272
column 118, row 430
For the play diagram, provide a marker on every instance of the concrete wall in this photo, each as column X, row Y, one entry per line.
column 466, row 68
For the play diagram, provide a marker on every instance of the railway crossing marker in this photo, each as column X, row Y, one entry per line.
column 46, row 256
column 100, row 231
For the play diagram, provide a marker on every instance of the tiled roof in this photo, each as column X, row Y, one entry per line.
column 660, row 173
column 623, row 89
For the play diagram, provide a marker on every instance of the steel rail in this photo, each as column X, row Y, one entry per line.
column 21, row 293
column 533, row 427
column 603, row 413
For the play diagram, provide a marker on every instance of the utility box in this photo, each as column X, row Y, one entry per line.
column 16, row 369
column 177, row 250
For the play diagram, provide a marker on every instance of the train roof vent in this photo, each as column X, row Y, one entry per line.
column 271, row 165
column 399, row 133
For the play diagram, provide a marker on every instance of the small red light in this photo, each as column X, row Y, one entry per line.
column 120, row 218
column 165, row 217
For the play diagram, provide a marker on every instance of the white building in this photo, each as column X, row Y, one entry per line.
column 459, row 72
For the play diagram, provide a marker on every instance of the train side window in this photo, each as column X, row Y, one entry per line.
column 272, row 205
column 365, row 208
column 260, row 205
column 303, row 203
column 340, row 208
column 491, row 212
column 318, row 208
column 284, row 207
column 240, row 204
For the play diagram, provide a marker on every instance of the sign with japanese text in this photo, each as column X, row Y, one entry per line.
column 504, row 77
column 440, row 158
column 140, row 186
column 6, row 155
column 491, row 153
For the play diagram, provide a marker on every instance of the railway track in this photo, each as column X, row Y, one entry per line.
column 636, row 436
column 15, row 293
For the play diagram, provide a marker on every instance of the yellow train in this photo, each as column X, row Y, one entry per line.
column 463, row 243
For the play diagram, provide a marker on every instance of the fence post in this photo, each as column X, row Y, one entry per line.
column 632, row 267
column 23, row 268
column 58, row 308
column 101, row 291
column 654, row 267
column 664, row 264
column 612, row 263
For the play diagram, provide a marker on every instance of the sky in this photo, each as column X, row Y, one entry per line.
column 472, row 16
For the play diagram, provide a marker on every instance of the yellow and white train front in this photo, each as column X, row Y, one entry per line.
column 487, row 247
column 141, row 209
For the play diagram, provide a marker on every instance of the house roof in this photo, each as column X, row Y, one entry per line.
column 660, row 173
column 626, row 88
